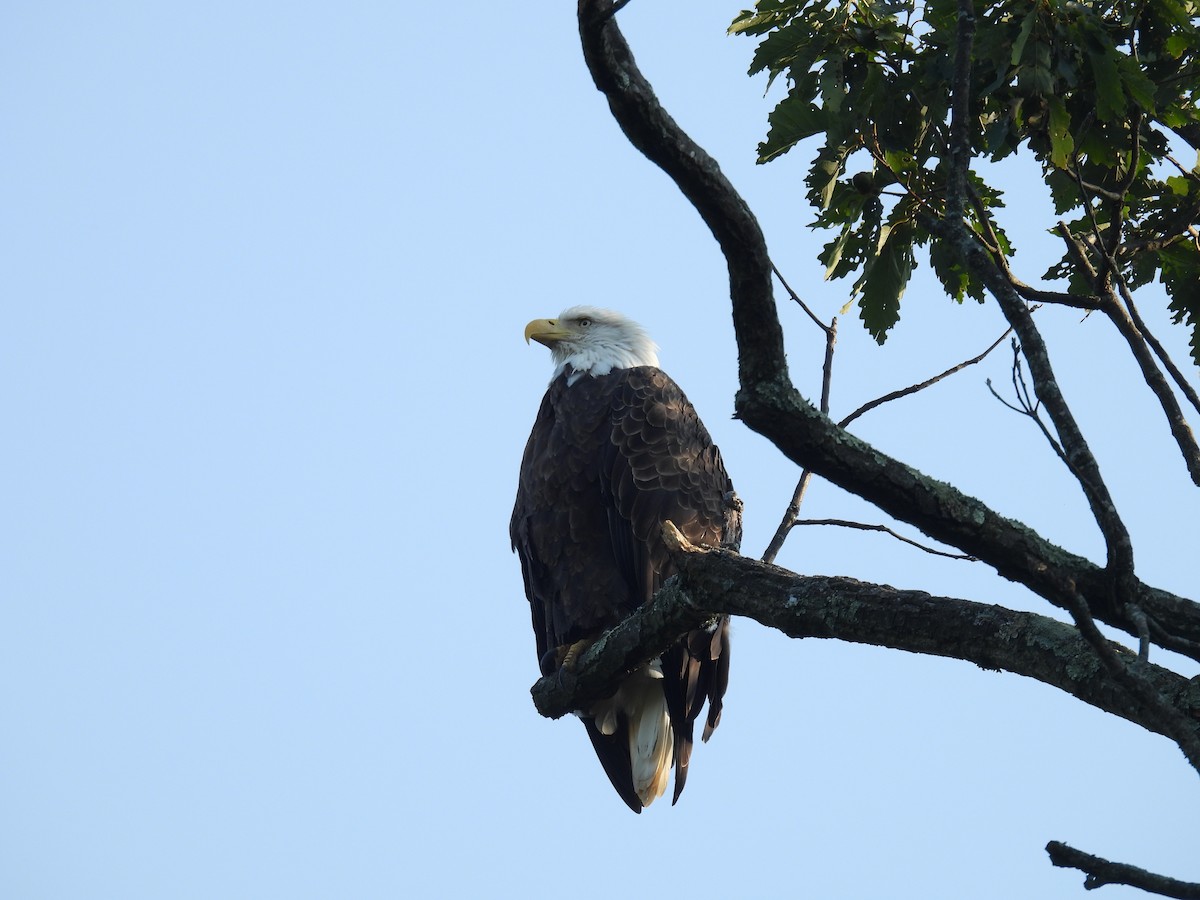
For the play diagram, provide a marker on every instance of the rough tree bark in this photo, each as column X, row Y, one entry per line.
column 712, row 581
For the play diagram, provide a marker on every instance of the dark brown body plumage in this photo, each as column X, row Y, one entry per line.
column 610, row 458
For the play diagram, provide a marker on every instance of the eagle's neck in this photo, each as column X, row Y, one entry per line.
column 580, row 361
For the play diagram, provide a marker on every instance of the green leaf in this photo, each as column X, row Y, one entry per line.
column 793, row 120
column 1138, row 86
column 953, row 274
column 1064, row 191
column 1110, row 96
column 766, row 15
column 1018, row 47
column 832, row 254
column 1177, row 43
column 1179, row 185
column 884, row 279
column 1062, row 145
column 822, row 176
column 1181, row 277
column 831, row 80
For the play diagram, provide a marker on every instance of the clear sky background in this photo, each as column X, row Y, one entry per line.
column 265, row 270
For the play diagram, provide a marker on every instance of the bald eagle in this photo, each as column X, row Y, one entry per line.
column 615, row 451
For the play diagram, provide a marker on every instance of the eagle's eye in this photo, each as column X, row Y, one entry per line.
column 585, row 322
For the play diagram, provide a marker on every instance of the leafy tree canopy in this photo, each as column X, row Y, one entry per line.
column 1102, row 94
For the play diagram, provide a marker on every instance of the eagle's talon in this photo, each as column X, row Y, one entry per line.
column 565, row 679
column 572, row 653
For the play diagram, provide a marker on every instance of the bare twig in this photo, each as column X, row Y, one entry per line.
column 1026, row 405
column 793, row 508
column 912, row 389
column 796, row 299
column 1096, row 189
column 1076, row 451
column 1027, row 291
column 1186, row 172
column 1119, row 219
column 862, row 526
column 790, row 515
column 1101, row 872
column 1031, row 294
column 1142, row 623
column 1103, row 281
column 1106, row 245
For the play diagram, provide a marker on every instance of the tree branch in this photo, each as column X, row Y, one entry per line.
column 769, row 404
column 712, row 582
column 651, row 130
column 1101, row 872
column 793, row 509
column 954, row 229
column 863, row 526
column 1160, row 351
column 912, row 389
column 1140, row 347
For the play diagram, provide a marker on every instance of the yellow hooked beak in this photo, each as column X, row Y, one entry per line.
column 548, row 332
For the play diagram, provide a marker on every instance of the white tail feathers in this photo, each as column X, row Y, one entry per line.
column 651, row 743
column 641, row 702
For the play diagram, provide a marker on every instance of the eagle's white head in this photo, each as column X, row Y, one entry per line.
column 593, row 341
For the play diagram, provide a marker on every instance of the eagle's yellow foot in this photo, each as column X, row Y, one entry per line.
column 572, row 652
column 563, row 657
column 560, row 662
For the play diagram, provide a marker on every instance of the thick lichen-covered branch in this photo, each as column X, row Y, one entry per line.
column 712, row 582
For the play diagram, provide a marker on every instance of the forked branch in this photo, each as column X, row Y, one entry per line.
column 769, row 404
column 712, row 582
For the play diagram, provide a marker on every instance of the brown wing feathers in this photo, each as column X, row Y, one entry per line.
column 665, row 466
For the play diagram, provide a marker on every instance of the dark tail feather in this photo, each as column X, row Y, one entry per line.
column 683, row 676
column 719, row 678
column 695, row 670
column 683, row 755
column 613, row 752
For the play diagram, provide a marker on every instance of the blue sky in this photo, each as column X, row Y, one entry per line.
column 265, row 274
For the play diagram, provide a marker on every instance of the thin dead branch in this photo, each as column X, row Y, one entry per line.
column 1025, row 404
column 912, row 389
column 797, row 300
column 862, row 526
column 793, row 508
